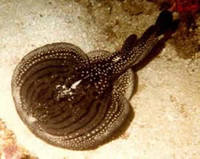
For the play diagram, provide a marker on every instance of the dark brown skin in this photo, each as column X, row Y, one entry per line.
column 73, row 100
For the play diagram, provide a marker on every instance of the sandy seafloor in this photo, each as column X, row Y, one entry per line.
column 167, row 102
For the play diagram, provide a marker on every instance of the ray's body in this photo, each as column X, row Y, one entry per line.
column 76, row 100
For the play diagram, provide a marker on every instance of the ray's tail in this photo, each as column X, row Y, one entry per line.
column 165, row 23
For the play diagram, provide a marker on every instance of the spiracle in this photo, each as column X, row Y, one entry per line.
column 75, row 100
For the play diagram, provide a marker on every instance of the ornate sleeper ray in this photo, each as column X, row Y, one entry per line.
column 75, row 100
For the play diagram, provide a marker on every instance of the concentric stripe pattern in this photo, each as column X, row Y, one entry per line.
column 61, row 101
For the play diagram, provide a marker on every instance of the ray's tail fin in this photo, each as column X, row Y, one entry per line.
column 165, row 22
column 164, row 25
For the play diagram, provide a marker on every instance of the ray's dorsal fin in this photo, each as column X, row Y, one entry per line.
column 129, row 43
